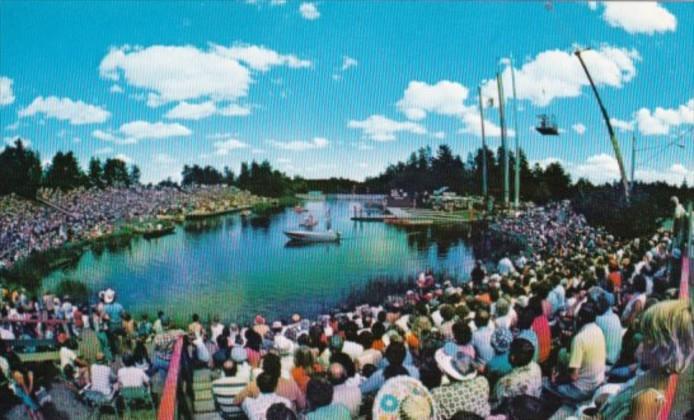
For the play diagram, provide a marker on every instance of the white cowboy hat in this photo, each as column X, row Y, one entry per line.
column 109, row 295
column 457, row 365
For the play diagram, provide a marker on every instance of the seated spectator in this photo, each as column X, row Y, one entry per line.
column 72, row 366
column 668, row 349
column 526, row 376
column 131, row 376
column 395, row 357
column 482, row 337
column 320, row 400
column 286, row 387
column 101, row 376
column 226, row 388
column 609, row 323
column 465, row 390
column 279, row 411
column 586, row 360
column 463, row 338
column 305, row 365
column 256, row 408
column 499, row 365
column 344, row 393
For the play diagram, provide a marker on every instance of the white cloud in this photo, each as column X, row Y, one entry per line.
column 639, row 17
column 258, row 151
column 277, row 2
column 556, row 74
column 439, row 135
column 659, row 121
column 132, row 132
column 223, row 147
column 445, row 98
column 592, row 5
column 180, row 73
column 284, row 160
column 622, row 125
column 674, row 174
column 125, row 158
column 65, row 109
column 76, row 140
column 309, row 11
column 175, row 73
column 380, row 128
column 348, row 63
column 189, row 111
column 6, row 94
column 579, row 128
column 260, row 58
column 234, row 110
column 12, row 127
column 301, row 145
column 473, row 125
column 147, row 130
column 116, row 89
column 602, row 168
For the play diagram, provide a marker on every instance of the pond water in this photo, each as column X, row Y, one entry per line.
column 236, row 268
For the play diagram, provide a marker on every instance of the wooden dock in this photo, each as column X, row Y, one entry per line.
column 373, row 218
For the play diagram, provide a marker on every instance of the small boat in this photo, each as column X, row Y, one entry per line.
column 308, row 236
column 159, row 231
column 299, row 209
column 308, row 224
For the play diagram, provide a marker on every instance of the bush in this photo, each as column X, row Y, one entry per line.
column 607, row 208
column 77, row 290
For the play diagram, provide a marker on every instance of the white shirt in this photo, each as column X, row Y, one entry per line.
column 349, row 396
column 216, row 330
column 67, row 357
column 101, row 378
column 256, row 408
column 352, row 349
column 132, row 377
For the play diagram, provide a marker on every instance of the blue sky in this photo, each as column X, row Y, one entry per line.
column 343, row 88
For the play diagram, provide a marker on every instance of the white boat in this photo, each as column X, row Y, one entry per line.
column 308, row 236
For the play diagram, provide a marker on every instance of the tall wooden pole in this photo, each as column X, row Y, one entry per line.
column 516, row 190
column 504, row 146
column 485, row 189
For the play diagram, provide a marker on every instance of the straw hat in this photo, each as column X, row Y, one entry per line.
column 403, row 397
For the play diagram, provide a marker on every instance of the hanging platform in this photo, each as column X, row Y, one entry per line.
column 547, row 125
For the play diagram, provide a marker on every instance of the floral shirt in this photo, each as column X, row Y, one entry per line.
column 469, row 395
column 524, row 380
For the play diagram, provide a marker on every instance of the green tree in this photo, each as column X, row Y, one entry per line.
column 116, row 173
column 134, row 175
column 64, row 172
column 20, row 170
column 96, row 173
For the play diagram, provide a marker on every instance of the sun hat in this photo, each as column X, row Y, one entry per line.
column 501, row 340
column 109, row 295
column 238, row 354
column 454, row 363
column 276, row 325
column 403, row 397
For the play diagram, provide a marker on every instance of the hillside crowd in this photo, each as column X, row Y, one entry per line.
column 585, row 325
column 28, row 226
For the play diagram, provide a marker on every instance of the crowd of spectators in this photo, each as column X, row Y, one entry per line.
column 585, row 323
column 28, row 226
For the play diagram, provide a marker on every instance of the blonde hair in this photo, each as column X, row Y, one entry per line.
column 669, row 335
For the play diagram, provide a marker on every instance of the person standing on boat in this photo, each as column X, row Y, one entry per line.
column 328, row 220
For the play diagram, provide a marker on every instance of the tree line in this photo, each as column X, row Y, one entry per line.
column 21, row 172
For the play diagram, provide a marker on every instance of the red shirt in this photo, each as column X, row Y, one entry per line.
column 544, row 337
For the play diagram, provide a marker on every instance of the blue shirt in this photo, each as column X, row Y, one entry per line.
column 499, row 365
column 612, row 330
column 115, row 311
column 532, row 337
column 330, row 412
column 376, row 381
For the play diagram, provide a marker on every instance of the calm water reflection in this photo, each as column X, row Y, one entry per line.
column 236, row 267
